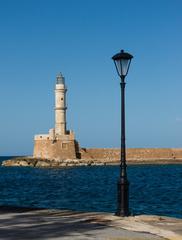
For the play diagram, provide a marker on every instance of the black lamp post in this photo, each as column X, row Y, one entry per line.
column 122, row 62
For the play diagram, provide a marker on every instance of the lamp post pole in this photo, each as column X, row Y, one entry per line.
column 123, row 184
column 122, row 62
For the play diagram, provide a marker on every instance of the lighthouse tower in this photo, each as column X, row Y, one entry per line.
column 60, row 106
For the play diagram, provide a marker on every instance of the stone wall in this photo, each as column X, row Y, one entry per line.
column 100, row 153
column 113, row 154
column 69, row 149
column 57, row 150
column 151, row 153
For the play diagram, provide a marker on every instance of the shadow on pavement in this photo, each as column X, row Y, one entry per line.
column 27, row 223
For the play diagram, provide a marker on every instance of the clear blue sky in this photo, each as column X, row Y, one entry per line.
column 39, row 38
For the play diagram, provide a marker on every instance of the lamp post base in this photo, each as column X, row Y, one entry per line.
column 123, row 198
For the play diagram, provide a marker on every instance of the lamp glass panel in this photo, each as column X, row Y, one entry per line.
column 118, row 67
column 124, row 66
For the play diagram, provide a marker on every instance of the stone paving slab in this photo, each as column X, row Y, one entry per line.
column 24, row 223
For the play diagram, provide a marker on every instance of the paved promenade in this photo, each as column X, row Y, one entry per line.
column 22, row 224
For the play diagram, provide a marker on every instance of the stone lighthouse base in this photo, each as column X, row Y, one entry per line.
column 60, row 148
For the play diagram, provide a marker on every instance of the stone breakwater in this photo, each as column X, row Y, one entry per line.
column 132, row 154
column 105, row 156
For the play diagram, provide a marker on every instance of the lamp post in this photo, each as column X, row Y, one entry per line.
column 122, row 62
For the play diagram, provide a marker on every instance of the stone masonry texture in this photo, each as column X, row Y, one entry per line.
column 47, row 149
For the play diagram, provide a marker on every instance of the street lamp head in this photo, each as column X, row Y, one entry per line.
column 122, row 62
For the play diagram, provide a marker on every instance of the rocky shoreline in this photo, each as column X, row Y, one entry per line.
column 47, row 163
column 35, row 162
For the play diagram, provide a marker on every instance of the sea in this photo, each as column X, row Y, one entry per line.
column 154, row 189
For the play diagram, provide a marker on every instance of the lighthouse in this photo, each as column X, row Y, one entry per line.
column 59, row 143
column 60, row 106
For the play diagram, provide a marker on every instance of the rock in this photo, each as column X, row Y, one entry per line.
column 41, row 163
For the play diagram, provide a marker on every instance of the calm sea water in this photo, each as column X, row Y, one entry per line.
column 154, row 189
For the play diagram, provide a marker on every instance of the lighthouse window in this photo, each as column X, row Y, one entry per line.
column 64, row 145
column 61, row 98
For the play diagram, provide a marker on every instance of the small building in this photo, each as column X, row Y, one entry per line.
column 59, row 143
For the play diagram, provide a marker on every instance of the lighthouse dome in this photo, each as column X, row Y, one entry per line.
column 60, row 79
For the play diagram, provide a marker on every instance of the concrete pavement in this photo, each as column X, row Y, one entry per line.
column 23, row 224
